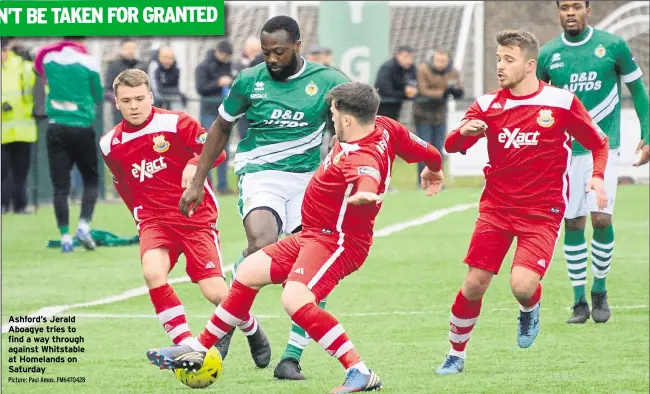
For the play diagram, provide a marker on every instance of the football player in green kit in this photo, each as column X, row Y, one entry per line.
column 592, row 64
column 284, row 101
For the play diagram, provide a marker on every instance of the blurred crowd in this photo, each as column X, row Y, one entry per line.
column 399, row 79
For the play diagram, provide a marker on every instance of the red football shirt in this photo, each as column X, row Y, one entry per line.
column 147, row 163
column 529, row 148
column 368, row 160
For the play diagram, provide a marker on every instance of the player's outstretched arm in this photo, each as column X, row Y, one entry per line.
column 631, row 74
column 413, row 149
column 215, row 143
column 362, row 171
column 641, row 102
column 471, row 129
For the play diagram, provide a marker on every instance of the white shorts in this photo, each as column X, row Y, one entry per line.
column 580, row 171
column 281, row 191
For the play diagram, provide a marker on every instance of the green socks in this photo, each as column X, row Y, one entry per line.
column 602, row 248
column 575, row 252
column 64, row 230
column 240, row 259
column 298, row 340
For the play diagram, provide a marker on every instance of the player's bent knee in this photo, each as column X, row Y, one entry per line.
column 575, row 224
column 155, row 267
column 296, row 295
column 523, row 282
column 476, row 283
column 260, row 242
column 255, row 270
column 214, row 289
column 600, row 220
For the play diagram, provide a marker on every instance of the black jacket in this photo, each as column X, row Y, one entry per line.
column 115, row 67
column 207, row 77
column 391, row 81
column 166, row 86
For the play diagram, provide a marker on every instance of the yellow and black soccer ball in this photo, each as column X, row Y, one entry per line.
column 208, row 374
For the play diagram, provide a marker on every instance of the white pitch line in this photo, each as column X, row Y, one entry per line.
column 50, row 311
column 369, row 314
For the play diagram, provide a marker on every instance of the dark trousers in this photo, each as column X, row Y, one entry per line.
column 68, row 146
column 434, row 134
column 222, row 169
column 15, row 168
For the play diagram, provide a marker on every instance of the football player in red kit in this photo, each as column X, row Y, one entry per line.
column 148, row 153
column 338, row 216
column 528, row 125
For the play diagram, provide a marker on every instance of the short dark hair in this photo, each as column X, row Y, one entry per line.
column 126, row 39
column 520, row 38
column 357, row 99
column 558, row 4
column 283, row 22
column 404, row 48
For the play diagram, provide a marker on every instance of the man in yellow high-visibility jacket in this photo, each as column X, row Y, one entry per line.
column 18, row 127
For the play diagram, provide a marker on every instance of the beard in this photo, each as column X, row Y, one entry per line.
column 511, row 82
column 285, row 71
column 338, row 129
column 574, row 30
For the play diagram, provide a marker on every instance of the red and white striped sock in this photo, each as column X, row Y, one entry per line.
column 329, row 333
column 464, row 314
column 171, row 313
column 533, row 301
column 234, row 311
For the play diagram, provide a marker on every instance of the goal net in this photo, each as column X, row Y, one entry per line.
column 424, row 25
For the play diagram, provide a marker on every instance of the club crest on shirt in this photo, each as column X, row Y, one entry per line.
column 338, row 157
column 545, row 118
column 202, row 138
column 160, row 144
column 600, row 51
column 311, row 89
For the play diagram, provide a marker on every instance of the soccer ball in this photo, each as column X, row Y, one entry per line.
column 204, row 377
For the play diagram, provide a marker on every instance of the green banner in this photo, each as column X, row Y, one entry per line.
column 55, row 18
column 358, row 32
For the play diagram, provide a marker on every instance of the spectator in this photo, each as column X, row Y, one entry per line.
column 316, row 54
column 327, row 61
column 213, row 81
column 252, row 48
column 437, row 79
column 75, row 88
column 165, row 78
column 125, row 60
column 396, row 81
column 257, row 60
column 18, row 127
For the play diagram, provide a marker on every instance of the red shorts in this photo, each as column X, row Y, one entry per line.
column 199, row 245
column 319, row 261
column 493, row 235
